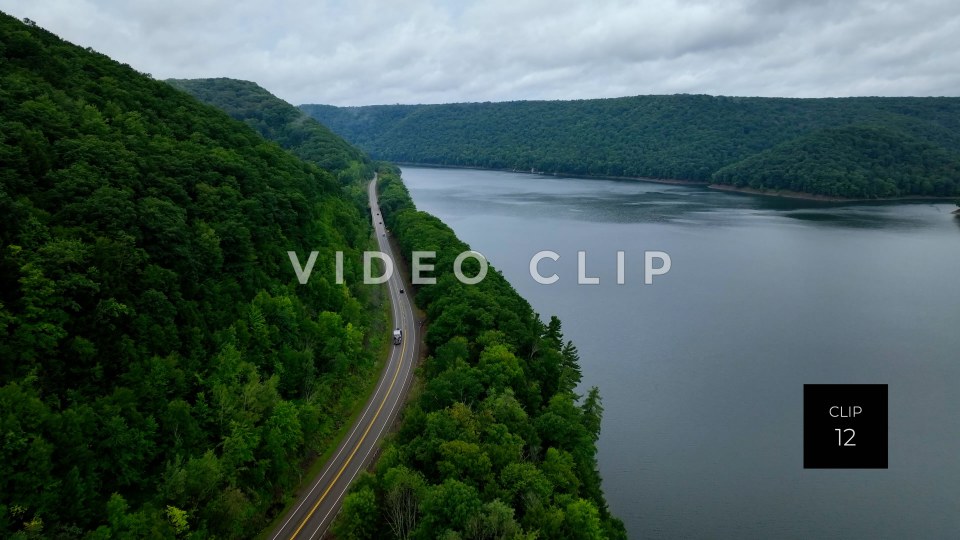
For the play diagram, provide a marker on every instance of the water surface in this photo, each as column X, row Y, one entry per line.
column 702, row 372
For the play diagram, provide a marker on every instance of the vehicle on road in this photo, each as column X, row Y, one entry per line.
column 397, row 336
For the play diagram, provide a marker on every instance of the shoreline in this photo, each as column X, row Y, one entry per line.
column 778, row 193
column 787, row 194
column 670, row 181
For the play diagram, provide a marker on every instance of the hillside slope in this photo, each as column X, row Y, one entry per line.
column 549, row 487
column 853, row 161
column 496, row 443
column 163, row 373
column 280, row 122
column 689, row 137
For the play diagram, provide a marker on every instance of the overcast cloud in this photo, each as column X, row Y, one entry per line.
column 359, row 52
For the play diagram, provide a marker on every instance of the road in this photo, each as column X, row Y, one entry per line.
column 315, row 510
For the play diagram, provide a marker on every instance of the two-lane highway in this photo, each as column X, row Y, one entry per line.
column 315, row 509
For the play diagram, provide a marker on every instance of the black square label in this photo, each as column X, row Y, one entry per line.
column 844, row 426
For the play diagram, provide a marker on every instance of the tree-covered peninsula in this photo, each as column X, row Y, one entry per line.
column 496, row 442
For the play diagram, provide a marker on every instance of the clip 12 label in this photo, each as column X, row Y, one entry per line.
column 844, row 426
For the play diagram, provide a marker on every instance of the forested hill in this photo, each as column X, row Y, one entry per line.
column 281, row 122
column 162, row 373
column 851, row 147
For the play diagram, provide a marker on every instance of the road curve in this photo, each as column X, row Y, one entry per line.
column 315, row 509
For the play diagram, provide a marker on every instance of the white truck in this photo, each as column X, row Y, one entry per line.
column 397, row 336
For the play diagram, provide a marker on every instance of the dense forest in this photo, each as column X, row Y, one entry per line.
column 552, row 374
column 495, row 444
column 853, row 161
column 162, row 373
column 845, row 147
column 282, row 123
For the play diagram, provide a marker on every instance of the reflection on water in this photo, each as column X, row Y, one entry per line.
column 628, row 201
column 702, row 372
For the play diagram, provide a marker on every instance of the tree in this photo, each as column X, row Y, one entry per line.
column 448, row 506
column 403, row 491
column 466, row 462
column 592, row 412
column 359, row 516
column 495, row 522
column 570, row 375
column 582, row 521
column 560, row 469
column 178, row 520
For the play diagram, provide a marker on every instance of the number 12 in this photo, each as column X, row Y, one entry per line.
column 840, row 437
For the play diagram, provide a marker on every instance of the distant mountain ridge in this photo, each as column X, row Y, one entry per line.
column 868, row 147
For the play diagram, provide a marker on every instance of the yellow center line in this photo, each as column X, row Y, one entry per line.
column 373, row 420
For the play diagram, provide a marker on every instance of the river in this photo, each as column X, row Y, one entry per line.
column 702, row 371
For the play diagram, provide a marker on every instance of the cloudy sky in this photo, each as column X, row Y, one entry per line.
column 361, row 52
